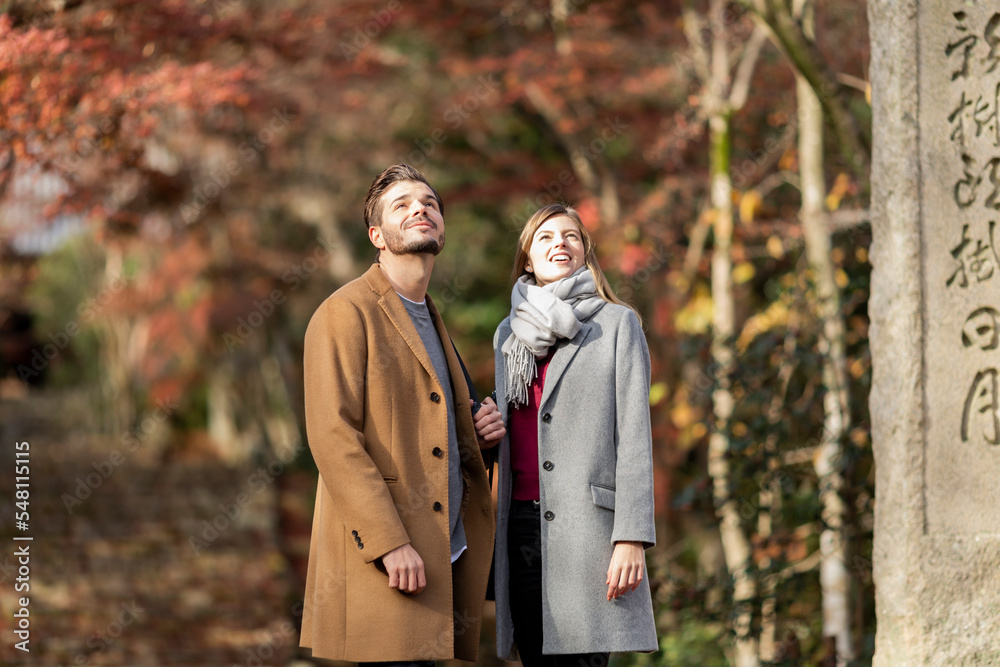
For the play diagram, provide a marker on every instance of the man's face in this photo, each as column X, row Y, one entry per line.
column 412, row 223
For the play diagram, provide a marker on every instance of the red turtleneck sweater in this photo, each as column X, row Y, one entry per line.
column 524, row 437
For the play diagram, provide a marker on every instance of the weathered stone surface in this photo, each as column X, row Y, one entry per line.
column 934, row 301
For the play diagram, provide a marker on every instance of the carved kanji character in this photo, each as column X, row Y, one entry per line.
column 985, row 115
column 956, row 252
column 992, row 36
column 967, row 43
column 957, row 119
column 983, row 399
column 982, row 328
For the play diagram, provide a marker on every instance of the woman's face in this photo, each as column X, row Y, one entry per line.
column 556, row 250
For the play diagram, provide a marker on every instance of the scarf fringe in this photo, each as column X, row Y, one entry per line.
column 521, row 372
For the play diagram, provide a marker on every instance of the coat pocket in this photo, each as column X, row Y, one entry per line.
column 603, row 496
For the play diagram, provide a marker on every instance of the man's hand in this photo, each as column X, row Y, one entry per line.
column 406, row 569
column 489, row 424
column 626, row 569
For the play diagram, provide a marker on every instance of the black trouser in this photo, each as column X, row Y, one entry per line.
column 524, row 552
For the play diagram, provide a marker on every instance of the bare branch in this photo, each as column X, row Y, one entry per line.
column 744, row 71
column 584, row 170
column 692, row 30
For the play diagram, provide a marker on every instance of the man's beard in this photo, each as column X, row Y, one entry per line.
column 394, row 243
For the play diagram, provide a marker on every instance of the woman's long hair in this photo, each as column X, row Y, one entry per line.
column 589, row 254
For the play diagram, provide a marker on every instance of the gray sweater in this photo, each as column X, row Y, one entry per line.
column 425, row 327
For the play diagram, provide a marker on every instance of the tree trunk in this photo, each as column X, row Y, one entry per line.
column 834, row 577
column 117, row 401
column 735, row 543
column 221, row 407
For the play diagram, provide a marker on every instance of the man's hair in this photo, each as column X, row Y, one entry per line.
column 397, row 173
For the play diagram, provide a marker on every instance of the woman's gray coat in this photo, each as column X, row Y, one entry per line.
column 595, row 469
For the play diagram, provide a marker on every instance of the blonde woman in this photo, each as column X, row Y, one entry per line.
column 575, row 486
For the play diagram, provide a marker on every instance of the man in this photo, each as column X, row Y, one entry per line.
column 403, row 527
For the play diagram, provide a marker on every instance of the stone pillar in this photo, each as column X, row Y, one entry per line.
column 935, row 310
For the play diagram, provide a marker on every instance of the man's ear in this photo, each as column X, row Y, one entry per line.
column 375, row 236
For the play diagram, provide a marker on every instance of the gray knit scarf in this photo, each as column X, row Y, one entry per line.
column 538, row 317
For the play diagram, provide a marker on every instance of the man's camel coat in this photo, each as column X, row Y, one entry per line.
column 377, row 426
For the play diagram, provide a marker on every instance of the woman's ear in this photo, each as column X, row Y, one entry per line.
column 527, row 267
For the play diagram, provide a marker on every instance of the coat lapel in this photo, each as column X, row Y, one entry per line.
column 560, row 361
column 392, row 305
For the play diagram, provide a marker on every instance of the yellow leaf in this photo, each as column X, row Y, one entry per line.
column 841, row 186
column 696, row 316
column 841, row 277
column 776, row 315
column 657, row 392
column 681, row 415
column 699, row 430
column 739, row 429
column 775, row 247
column 749, row 203
column 743, row 272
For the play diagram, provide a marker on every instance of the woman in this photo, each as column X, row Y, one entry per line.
column 576, row 473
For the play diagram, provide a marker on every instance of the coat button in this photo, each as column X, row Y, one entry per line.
column 435, row 397
column 354, row 533
column 549, row 516
column 437, row 452
column 546, row 418
column 436, row 506
column 361, row 545
column 548, row 465
column 357, row 539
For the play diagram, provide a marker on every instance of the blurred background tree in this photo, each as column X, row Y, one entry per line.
column 181, row 184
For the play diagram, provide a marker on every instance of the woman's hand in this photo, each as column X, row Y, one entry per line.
column 626, row 569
